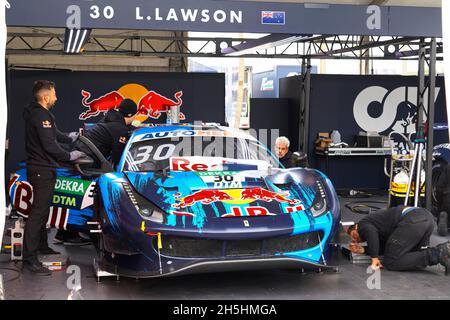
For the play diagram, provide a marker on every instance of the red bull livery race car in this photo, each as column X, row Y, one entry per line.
column 188, row 199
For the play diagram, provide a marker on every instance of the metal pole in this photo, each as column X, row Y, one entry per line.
column 306, row 111
column 430, row 137
column 420, row 89
column 411, row 172
column 301, row 120
column 418, row 176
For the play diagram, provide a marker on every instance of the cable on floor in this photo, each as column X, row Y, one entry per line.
column 365, row 207
column 11, row 269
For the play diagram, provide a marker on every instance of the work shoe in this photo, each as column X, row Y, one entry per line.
column 74, row 241
column 444, row 255
column 442, row 227
column 36, row 268
column 48, row 251
column 70, row 239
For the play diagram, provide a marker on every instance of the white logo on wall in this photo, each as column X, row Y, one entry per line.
column 398, row 109
column 266, row 84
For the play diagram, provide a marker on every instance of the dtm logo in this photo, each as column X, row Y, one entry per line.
column 267, row 85
column 377, row 109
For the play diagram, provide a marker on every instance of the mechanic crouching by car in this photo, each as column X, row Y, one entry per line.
column 111, row 134
column 402, row 234
column 287, row 158
column 43, row 153
column 443, row 201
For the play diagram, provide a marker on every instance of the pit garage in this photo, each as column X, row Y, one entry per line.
column 203, row 202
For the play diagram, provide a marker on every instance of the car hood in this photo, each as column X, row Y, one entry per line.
column 225, row 194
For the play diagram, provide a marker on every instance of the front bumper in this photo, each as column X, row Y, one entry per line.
column 220, row 266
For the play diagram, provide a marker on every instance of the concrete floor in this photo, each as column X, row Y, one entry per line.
column 349, row 283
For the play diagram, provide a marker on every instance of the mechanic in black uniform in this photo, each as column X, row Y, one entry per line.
column 443, row 201
column 403, row 235
column 111, row 134
column 287, row 158
column 43, row 153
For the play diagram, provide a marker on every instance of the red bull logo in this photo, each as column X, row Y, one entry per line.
column 249, row 211
column 106, row 102
column 266, row 195
column 153, row 104
column 232, row 196
column 150, row 103
column 202, row 196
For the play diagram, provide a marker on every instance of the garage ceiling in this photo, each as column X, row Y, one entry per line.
column 167, row 51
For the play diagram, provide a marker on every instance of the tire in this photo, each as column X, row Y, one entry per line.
column 438, row 167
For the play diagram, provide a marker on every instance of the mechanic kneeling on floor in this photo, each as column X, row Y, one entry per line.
column 403, row 235
column 111, row 134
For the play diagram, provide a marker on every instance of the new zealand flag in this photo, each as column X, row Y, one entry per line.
column 272, row 17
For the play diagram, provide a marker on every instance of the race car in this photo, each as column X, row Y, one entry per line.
column 192, row 198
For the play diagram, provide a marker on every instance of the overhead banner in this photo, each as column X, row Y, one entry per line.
column 228, row 16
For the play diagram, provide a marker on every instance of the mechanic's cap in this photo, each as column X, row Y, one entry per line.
column 128, row 108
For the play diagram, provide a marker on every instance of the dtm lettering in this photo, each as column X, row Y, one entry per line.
column 190, row 15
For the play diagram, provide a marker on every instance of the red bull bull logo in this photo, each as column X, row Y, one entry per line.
column 266, row 195
column 202, row 196
column 106, row 102
column 230, row 196
column 153, row 104
column 150, row 103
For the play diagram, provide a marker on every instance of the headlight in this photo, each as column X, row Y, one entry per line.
column 319, row 205
column 145, row 208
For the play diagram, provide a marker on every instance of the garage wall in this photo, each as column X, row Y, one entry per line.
column 384, row 104
column 203, row 97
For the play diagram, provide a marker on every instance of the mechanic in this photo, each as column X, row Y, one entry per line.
column 111, row 134
column 42, row 144
column 403, row 235
column 287, row 158
column 443, row 199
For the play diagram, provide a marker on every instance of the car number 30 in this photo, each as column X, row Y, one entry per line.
column 162, row 152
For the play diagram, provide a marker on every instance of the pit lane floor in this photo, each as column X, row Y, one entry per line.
column 349, row 283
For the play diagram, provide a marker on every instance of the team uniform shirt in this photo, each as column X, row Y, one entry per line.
column 42, row 138
column 377, row 227
column 110, row 136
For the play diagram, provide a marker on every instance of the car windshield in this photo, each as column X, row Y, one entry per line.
column 157, row 154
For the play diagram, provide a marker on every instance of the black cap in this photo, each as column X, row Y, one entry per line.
column 128, row 108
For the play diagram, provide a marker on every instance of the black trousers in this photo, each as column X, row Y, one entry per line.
column 403, row 249
column 35, row 233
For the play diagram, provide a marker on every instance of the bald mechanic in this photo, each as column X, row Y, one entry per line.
column 402, row 234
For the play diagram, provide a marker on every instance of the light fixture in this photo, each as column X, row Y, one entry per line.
column 75, row 39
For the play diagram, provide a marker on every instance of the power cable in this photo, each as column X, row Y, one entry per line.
column 364, row 207
column 11, row 269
